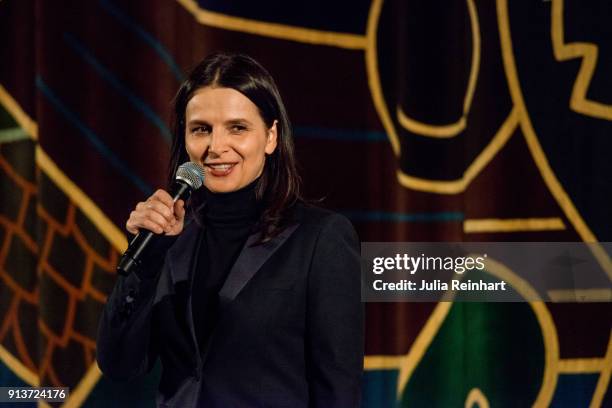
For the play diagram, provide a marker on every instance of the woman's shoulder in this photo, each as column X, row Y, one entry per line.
column 318, row 219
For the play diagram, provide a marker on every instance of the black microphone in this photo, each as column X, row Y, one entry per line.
column 189, row 177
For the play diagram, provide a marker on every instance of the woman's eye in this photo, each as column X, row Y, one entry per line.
column 238, row 128
column 200, row 130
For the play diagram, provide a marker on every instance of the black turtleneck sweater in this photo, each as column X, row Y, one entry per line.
column 229, row 219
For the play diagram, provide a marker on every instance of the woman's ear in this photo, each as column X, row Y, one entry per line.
column 271, row 142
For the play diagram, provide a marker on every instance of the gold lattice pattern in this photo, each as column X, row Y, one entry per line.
column 56, row 271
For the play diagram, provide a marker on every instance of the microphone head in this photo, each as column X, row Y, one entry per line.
column 191, row 173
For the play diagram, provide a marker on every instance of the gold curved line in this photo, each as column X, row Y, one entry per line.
column 549, row 333
column 371, row 60
column 106, row 227
column 476, row 51
column 409, row 361
column 31, row 129
column 18, row 114
column 472, row 226
column 453, row 129
column 588, row 52
column 431, row 186
column 425, row 129
column 475, row 396
column 458, row 186
column 604, row 378
column 18, row 368
column 91, row 211
column 273, row 30
column 539, row 157
column 547, row 325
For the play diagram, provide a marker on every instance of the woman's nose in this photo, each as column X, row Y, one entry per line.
column 218, row 142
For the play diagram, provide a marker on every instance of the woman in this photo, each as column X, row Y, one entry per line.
column 256, row 302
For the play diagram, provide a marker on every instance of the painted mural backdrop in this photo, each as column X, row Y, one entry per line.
column 421, row 121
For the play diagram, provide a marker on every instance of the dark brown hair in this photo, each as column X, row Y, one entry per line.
column 278, row 188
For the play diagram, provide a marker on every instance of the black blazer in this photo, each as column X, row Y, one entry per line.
column 290, row 327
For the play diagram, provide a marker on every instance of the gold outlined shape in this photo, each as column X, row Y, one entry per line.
column 425, row 129
column 472, row 226
column 273, row 30
column 91, row 211
column 453, row 129
column 588, row 52
column 409, row 362
column 475, row 396
column 417, row 183
column 533, row 143
column 106, row 227
column 553, row 365
column 498, row 141
column 543, row 316
column 371, row 53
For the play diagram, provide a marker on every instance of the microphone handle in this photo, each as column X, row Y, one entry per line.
column 132, row 258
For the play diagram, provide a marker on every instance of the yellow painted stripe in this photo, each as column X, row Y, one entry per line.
column 482, row 160
column 18, row 368
column 581, row 295
column 604, row 377
column 471, row 226
column 426, row 129
column 91, row 211
column 580, row 365
column 85, row 204
column 79, row 394
column 549, row 176
column 375, row 362
column 452, row 129
column 273, row 30
column 588, row 53
column 476, row 397
column 18, row 114
column 418, row 349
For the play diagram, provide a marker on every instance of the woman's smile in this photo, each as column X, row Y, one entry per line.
column 225, row 133
column 219, row 169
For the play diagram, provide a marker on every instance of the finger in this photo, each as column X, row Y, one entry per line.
column 138, row 221
column 179, row 210
column 129, row 225
column 164, row 197
column 157, row 218
column 152, row 226
column 159, row 207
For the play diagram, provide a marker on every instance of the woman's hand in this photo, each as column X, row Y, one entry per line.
column 158, row 214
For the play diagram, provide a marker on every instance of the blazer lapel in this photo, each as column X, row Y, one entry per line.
column 181, row 260
column 249, row 261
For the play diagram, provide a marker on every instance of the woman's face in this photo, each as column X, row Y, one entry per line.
column 225, row 133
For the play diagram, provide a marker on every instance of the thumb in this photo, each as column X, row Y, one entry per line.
column 179, row 210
